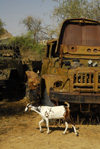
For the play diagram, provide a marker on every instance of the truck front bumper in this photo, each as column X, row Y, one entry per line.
column 75, row 98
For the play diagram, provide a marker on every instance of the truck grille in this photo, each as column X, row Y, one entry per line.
column 83, row 81
column 85, row 78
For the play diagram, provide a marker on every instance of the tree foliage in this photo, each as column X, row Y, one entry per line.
column 25, row 42
column 34, row 26
column 67, row 9
column 1, row 27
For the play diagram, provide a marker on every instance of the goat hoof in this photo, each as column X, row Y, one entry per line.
column 64, row 133
column 77, row 134
column 41, row 131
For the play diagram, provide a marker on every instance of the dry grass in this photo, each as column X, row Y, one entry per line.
column 20, row 131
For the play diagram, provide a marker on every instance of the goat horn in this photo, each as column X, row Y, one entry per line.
column 67, row 104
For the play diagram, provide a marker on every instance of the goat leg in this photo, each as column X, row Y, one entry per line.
column 76, row 133
column 40, row 124
column 47, row 124
column 66, row 127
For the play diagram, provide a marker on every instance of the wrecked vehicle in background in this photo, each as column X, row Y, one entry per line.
column 11, row 73
column 71, row 69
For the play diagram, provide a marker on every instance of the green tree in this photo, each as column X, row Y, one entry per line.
column 95, row 9
column 77, row 9
column 1, row 27
column 34, row 26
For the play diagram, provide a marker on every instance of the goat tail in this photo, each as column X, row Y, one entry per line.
column 68, row 105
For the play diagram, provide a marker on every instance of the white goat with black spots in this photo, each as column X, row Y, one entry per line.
column 56, row 112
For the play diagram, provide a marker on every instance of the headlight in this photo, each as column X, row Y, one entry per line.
column 58, row 84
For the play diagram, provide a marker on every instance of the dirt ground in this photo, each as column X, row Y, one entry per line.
column 20, row 131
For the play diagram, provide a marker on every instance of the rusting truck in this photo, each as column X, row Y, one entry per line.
column 71, row 69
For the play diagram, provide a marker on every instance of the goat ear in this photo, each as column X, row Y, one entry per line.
column 29, row 104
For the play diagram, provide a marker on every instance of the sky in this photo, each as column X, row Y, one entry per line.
column 12, row 12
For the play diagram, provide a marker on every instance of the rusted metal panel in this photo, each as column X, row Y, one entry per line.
column 82, row 32
column 87, row 35
column 33, row 80
column 81, row 50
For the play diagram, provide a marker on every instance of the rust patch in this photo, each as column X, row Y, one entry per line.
column 33, row 79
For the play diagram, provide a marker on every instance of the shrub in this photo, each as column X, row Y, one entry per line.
column 26, row 42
